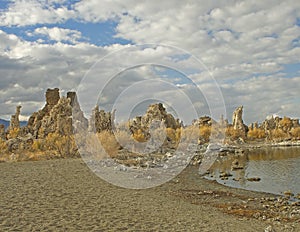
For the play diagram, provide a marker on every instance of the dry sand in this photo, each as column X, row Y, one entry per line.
column 64, row 195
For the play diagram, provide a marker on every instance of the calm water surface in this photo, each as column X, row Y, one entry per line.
column 277, row 168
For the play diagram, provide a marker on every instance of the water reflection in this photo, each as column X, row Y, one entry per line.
column 272, row 170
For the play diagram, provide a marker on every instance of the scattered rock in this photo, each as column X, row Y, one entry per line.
column 225, row 174
column 236, row 165
column 2, row 132
column 14, row 121
column 269, row 229
column 237, row 121
column 288, row 193
column 253, row 179
column 101, row 120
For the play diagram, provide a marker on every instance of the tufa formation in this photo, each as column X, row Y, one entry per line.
column 51, row 130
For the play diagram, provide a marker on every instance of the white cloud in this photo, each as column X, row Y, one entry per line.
column 235, row 39
column 30, row 12
column 263, row 96
column 59, row 34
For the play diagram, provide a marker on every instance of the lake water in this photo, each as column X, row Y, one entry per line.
column 277, row 168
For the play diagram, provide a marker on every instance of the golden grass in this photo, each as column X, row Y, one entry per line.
column 256, row 133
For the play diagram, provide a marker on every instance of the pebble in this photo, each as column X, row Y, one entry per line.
column 269, row 229
column 225, row 174
column 288, row 193
column 253, row 179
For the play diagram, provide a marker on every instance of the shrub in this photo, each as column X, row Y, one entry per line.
column 189, row 134
column 64, row 145
column 123, row 137
column 279, row 134
column 256, row 133
column 178, row 133
column 171, row 134
column 285, row 124
column 37, row 145
column 3, row 147
column 13, row 133
column 109, row 143
column 231, row 133
column 205, row 132
column 295, row 132
column 140, row 136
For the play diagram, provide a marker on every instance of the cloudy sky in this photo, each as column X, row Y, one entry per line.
column 247, row 50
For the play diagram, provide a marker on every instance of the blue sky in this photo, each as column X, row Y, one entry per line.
column 100, row 34
column 250, row 48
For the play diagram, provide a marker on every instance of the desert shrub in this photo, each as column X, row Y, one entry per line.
column 3, row 147
column 50, row 141
column 171, row 134
column 66, row 146
column 189, row 134
column 295, row 132
column 231, row 133
column 140, row 136
column 92, row 147
column 123, row 137
column 256, row 133
column 13, row 133
column 279, row 134
column 108, row 142
column 37, row 145
column 178, row 134
column 285, row 124
column 63, row 145
column 205, row 132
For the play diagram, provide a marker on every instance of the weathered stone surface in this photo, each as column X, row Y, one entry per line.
column 253, row 126
column 2, row 132
column 237, row 121
column 14, row 121
column 52, row 97
column 56, row 116
column 20, row 143
column 203, row 121
column 78, row 119
column 295, row 123
column 271, row 123
column 59, row 119
column 223, row 122
column 283, row 125
column 155, row 112
column 35, row 120
column 101, row 120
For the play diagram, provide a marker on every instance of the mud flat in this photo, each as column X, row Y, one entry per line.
column 64, row 195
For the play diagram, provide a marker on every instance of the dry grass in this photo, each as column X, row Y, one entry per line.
column 286, row 124
column 256, row 133
column 13, row 133
column 295, row 132
column 279, row 134
column 109, row 143
column 233, row 134
column 140, row 136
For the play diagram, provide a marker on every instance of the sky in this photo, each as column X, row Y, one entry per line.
column 197, row 57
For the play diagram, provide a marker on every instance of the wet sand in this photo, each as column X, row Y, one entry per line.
column 64, row 195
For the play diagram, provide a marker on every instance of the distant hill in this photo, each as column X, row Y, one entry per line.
column 6, row 123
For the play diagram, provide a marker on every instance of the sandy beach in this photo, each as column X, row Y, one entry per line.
column 64, row 195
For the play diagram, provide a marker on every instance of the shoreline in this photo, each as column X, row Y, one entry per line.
column 64, row 194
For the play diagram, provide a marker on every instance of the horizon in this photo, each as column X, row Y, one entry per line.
column 250, row 51
column 141, row 110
